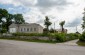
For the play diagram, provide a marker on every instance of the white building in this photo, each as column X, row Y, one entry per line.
column 26, row 28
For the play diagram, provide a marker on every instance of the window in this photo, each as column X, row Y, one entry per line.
column 27, row 29
column 21, row 30
column 24, row 29
column 30, row 29
column 34, row 29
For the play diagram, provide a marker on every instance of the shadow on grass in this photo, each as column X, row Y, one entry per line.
column 81, row 43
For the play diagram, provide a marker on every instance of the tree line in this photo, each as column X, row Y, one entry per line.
column 47, row 23
column 6, row 19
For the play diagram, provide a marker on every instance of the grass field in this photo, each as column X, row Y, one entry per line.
column 81, row 43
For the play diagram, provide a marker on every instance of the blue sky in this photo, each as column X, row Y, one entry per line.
column 13, row 9
column 34, row 11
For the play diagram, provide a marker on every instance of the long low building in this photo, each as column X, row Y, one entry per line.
column 26, row 28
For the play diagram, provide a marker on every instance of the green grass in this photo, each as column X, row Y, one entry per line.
column 81, row 43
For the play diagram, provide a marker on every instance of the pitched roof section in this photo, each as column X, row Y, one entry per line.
column 25, row 24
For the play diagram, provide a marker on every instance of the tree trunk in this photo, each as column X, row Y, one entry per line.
column 47, row 29
column 62, row 29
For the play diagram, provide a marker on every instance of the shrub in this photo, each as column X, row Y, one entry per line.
column 3, row 31
column 60, row 37
column 82, row 37
column 72, row 36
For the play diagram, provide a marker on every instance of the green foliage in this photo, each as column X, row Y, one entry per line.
column 82, row 37
column 52, row 30
column 18, row 19
column 3, row 31
column 61, row 24
column 8, row 19
column 81, row 43
column 3, row 13
column 83, row 25
column 60, row 37
column 72, row 36
column 47, row 23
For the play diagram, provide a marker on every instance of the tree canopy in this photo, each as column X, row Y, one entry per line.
column 7, row 19
column 47, row 23
column 62, row 24
column 83, row 25
column 18, row 19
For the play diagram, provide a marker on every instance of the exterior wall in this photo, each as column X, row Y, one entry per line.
column 40, row 30
column 12, row 30
column 28, row 29
column 23, row 28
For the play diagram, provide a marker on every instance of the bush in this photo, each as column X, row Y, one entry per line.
column 72, row 36
column 82, row 37
column 3, row 31
column 60, row 37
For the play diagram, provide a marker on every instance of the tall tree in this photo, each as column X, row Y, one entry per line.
column 62, row 24
column 18, row 18
column 9, row 21
column 6, row 19
column 83, row 25
column 3, row 15
column 47, row 23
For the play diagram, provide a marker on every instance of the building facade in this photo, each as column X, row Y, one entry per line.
column 26, row 28
column 60, row 30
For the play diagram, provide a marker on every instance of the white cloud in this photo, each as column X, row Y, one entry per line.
column 6, row 1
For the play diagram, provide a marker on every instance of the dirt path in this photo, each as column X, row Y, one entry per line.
column 73, row 42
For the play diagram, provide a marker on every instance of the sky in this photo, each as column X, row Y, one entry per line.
column 34, row 11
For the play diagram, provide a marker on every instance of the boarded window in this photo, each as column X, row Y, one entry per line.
column 21, row 30
column 30, row 29
column 24, row 29
column 34, row 29
column 27, row 29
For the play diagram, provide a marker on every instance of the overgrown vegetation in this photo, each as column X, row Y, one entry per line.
column 58, row 37
column 82, row 37
column 47, row 23
column 81, row 43
column 62, row 24
column 73, row 36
